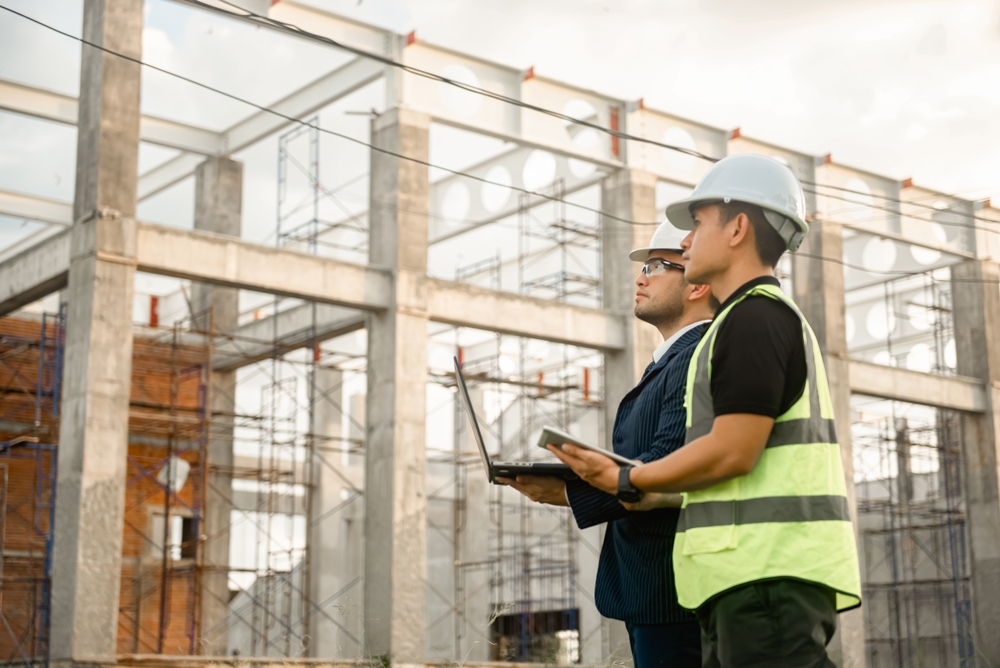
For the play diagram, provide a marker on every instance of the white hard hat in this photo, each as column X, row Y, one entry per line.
column 753, row 179
column 666, row 237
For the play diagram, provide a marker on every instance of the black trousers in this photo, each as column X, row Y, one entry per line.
column 773, row 623
column 665, row 645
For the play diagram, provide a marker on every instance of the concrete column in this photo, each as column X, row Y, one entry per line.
column 331, row 505
column 628, row 194
column 819, row 292
column 93, row 437
column 473, row 535
column 976, row 311
column 218, row 206
column 395, row 464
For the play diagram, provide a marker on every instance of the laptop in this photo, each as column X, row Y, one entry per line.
column 496, row 470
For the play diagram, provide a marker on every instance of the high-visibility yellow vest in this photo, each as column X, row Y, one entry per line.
column 789, row 517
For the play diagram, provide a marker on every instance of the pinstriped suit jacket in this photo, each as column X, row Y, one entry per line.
column 635, row 576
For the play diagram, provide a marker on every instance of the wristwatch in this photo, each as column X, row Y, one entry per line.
column 626, row 491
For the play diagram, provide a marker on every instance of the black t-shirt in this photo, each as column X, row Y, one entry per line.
column 759, row 361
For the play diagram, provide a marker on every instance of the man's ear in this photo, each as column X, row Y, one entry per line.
column 698, row 291
column 740, row 229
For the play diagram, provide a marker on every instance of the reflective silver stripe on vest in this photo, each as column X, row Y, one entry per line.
column 764, row 509
column 798, row 432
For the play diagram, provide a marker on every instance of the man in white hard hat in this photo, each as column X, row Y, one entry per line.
column 765, row 551
column 635, row 579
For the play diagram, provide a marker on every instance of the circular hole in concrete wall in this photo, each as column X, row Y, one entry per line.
column 920, row 358
column 460, row 102
column 878, row 255
column 926, row 256
column 455, row 203
column 858, row 199
column 921, row 318
column 880, row 322
column 950, row 356
column 539, row 170
column 884, row 358
column 496, row 194
column 581, row 169
column 677, row 161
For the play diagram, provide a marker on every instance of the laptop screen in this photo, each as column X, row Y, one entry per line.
column 463, row 392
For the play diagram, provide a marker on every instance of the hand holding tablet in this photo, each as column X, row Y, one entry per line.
column 555, row 437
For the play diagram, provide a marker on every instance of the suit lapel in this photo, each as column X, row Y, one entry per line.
column 680, row 344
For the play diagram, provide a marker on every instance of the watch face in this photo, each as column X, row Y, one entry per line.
column 629, row 496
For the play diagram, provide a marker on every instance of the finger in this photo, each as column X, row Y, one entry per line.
column 563, row 457
column 505, row 481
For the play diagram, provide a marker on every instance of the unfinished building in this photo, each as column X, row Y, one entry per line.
column 234, row 432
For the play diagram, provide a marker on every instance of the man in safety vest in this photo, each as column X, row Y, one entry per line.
column 765, row 550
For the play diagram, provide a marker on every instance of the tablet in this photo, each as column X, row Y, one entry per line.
column 553, row 436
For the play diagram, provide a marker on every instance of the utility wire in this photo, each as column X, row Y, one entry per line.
column 411, row 158
column 261, row 19
column 333, row 133
column 257, row 18
column 299, row 32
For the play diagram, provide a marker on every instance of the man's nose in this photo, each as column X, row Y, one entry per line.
column 686, row 241
column 641, row 279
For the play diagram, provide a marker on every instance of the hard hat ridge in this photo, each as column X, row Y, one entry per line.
column 666, row 237
column 752, row 179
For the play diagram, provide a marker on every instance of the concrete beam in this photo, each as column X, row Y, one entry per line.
column 33, row 207
column 229, row 262
column 34, row 273
column 170, row 173
column 513, row 162
column 466, row 305
column 59, row 108
column 225, row 261
column 324, row 91
column 958, row 393
column 287, row 331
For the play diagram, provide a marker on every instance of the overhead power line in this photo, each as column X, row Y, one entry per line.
column 291, row 28
column 411, row 158
column 292, row 119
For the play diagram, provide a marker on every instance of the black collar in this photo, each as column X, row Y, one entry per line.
column 743, row 289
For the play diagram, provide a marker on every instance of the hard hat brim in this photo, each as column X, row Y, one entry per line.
column 640, row 254
column 679, row 213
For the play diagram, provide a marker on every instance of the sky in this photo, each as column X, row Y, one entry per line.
column 905, row 89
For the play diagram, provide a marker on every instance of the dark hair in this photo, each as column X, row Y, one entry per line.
column 769, row 243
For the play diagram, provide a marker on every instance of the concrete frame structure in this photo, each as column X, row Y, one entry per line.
column 98, row 238
column 90, row 490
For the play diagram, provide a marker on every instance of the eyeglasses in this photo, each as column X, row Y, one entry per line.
column 655, row 266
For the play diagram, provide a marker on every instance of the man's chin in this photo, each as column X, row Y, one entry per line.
column 641, row 314
column 693, row 276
